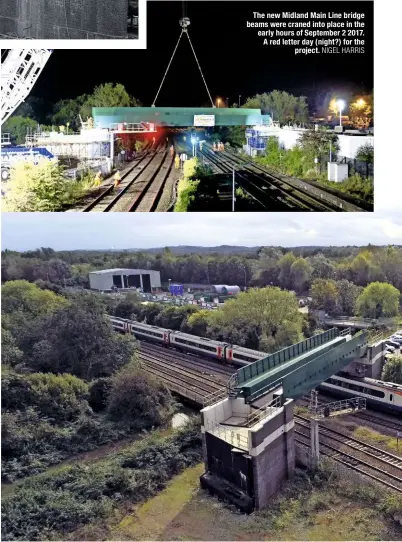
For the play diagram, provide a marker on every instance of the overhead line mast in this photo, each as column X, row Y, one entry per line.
column 184, row 23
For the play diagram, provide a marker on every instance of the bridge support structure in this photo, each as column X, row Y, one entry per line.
column 248, row 449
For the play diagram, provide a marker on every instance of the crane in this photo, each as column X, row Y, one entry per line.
column 20, row 70
column 184, row 23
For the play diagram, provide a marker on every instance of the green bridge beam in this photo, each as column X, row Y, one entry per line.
column 104, row 117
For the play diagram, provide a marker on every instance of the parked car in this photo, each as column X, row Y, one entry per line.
column 392, row 343
column 390, row 349
column 397, row 339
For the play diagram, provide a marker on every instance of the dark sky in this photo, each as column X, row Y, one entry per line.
column 232, row 57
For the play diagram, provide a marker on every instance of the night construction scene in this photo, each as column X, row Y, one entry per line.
column 201, row 131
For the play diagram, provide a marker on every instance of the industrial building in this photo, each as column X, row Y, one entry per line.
column 146, row 280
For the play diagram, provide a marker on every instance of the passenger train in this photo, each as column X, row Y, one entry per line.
column 229, row 353
column 379, row 395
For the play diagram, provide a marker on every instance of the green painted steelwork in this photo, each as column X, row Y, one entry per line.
column 261, row 384
column 105, row 117
column 303, row 380
column 299, row 375
column 282, row 356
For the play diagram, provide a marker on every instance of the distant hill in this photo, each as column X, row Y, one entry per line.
column 222, row 249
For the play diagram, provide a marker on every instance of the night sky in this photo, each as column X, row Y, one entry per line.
column 232, row 57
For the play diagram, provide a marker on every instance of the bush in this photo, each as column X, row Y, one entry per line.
column 138, row 400
column 42, row 187
column 53, row 504
column 59, row 397
column 99, row 390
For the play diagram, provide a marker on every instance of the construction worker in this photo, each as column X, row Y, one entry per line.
column 172, row 150
column 222, row 147
column 117, row 179
column 177, row 162
column 98, row 178
column 183, row 158
column 214, row 147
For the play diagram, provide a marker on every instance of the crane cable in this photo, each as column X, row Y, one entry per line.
column 167, row 69
column 198, row 64
column 183, row 31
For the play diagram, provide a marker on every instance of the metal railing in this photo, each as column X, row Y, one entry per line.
column 264, row 412
column 229, row 435
column 215, row 397
column 324, row 411
column 5, row 139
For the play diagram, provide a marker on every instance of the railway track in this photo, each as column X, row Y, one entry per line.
column 373, row 462
column 141, row 186
column 208, row 383
column 189, row 360
column 391, row 424
column 273, row 192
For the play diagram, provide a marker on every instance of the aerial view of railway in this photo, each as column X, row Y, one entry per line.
column 292, row 354
column 67, row 19
column 197, row 131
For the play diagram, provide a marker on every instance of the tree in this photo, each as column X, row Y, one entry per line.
column 22, row 296
column 365, row 153
column 365, row 268
column 316, row 143
column 285, row 263
column 300, row 274
column 268, row 318
column 108, row 95
column 325, row 295
column 378, row 299
column 79, row 340
column 347, row 296
column 323, row 268
column 42, row 187
column 282, row 107
column 18, row 127
column 392, row 371
column 68, row 111
column 138, row 399
column 361, row 111
column 11, row 355
column 197, row 323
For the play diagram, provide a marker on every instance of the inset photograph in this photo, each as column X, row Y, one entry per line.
column 69, row 19
column 272, row 112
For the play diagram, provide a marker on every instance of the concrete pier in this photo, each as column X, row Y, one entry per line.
column 248, row 449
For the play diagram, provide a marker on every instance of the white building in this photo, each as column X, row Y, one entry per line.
column 145, row 279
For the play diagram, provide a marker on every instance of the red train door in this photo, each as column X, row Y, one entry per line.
column 229, row 354
column 219, row 352
column 166, row 338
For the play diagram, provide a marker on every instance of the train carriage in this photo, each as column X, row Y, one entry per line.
column 151, row 333
column 119, row 324
column 379, row 395
column 198, row 345
column 241, row 356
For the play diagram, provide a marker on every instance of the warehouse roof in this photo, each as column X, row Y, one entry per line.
column 120, row 270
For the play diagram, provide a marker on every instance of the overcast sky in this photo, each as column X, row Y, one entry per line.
column 69, row 231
